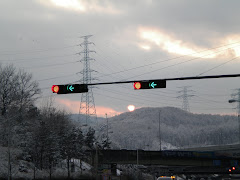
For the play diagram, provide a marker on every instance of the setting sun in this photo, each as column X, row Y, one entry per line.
column 131, row 108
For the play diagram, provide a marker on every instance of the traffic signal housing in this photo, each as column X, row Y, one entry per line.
column 70, row 88
column 149, row 84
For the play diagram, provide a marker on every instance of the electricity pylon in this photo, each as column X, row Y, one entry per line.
column 236, row 98
column 87, row 105
column 185, row 96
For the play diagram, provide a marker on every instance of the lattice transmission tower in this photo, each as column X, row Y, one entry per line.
column 87, row 105
column 236, row 98
column 185, row 95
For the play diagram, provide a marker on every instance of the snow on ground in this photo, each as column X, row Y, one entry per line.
column 24, row 169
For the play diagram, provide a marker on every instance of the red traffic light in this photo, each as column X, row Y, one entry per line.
column 233, row 168
column 55, row 89
column 70, row 88
column 151, row 84
column 137, row 85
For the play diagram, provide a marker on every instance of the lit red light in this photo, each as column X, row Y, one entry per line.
column 233, row 168
column 55, row 89
column 137, row 85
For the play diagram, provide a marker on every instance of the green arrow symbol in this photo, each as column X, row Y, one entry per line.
column 71, row 88
column 152, row 85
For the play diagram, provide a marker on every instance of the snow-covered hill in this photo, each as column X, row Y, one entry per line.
column 140, row 129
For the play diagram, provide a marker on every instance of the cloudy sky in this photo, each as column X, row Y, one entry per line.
column 133, row 40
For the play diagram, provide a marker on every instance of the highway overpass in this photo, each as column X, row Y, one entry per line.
column 165, row 158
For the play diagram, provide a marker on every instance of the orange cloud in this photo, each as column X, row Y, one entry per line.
column 73, row 107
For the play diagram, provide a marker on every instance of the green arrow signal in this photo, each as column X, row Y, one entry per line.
column 71, row 88
column 152, row 85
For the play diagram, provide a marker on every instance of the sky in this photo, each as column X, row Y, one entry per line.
column 133, row 40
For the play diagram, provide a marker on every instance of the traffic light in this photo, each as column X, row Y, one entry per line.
column 69, row 88
column 232, row 169
column 149, row 84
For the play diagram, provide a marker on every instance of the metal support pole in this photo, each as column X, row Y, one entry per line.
column 9, row 151
column 137, row 156
column 96, row 162
column 238, row 128
column 159, row 131
column 107, row 128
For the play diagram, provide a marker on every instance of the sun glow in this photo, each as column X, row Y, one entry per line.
column 145, row 47
column 84, row 6
column 73, row 107
column 69, row 4
column 170, row 44
column 131, row 108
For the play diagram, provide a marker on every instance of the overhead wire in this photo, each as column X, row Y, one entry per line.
column 39, row 50
column 108, row 75
column 178, row 57
column 215, row 67
column 207, row 54
column 138, row 96
column 56, row 77
column 52, row 65
column 30, row 59
column 158, row 102
column 169, row 66
column 121, row 71
column 126, row 100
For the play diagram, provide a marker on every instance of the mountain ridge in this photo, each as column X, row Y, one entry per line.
column 178, row 128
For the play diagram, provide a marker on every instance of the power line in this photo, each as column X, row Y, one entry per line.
column 56, row 77
column 38, row 51
column 121, row 99
column 30, row 59
column 170, row 59
column 51, row 65
column 169, row 66
column 218, row 66
column 160, row 97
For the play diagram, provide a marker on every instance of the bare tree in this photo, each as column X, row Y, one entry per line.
column 27, row 91
column 8, row 89
column 17, row 90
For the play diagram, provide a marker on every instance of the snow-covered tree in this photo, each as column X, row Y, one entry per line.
column 90, row 138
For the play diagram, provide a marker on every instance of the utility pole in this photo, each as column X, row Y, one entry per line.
column 8, row 119
column 9, row 151
column 87, row 105
column 236, row 98
column 107, row 129
column 159, row 131
column 185, row 96
column 137, row 157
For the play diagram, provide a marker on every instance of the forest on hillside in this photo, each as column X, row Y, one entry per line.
column 178, row 128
